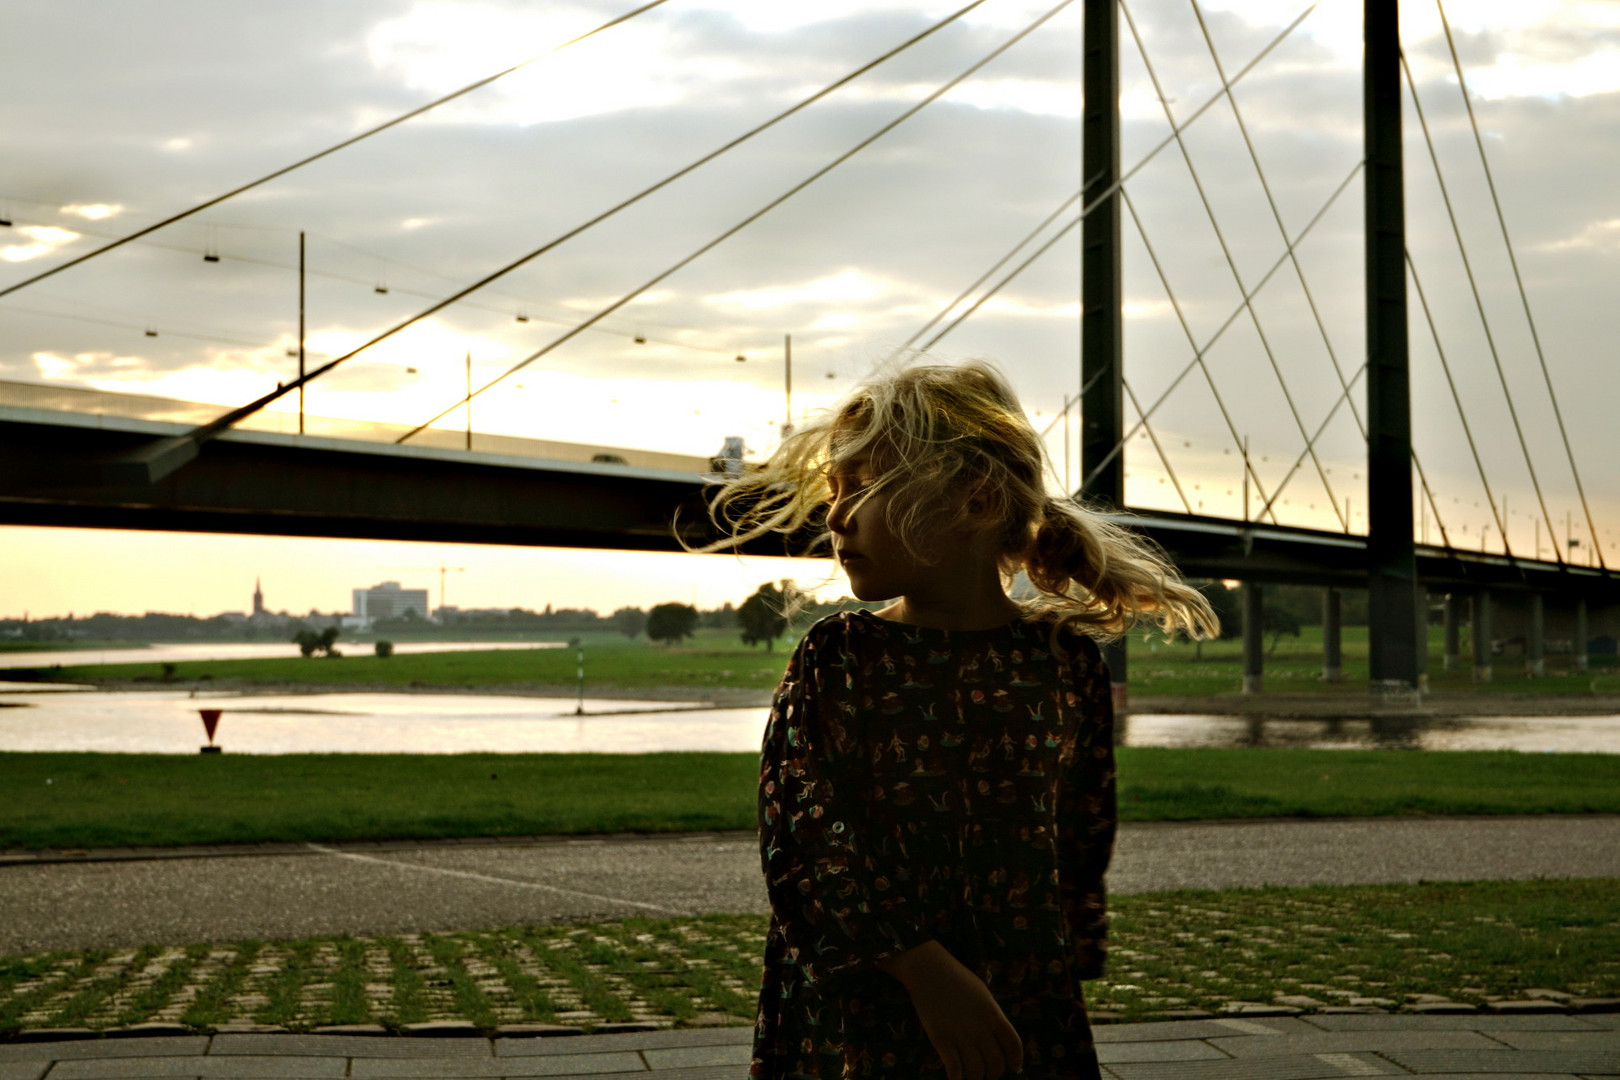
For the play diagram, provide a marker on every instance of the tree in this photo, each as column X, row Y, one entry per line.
column 764, row 615
column 630, row 621
column 383, row 648
column 1277, row 622
column 671, row 622
column 309, row 642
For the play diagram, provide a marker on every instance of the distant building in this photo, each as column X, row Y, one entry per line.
column 386, row 601
column 258, row 598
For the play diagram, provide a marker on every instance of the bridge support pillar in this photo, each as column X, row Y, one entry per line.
column 1579, row 661
column 1254, row 638
column 1422, row 632
column 1453, row 634
column 1535, row 645
column 1102, row 313
column 1479, row 631
column 1332, row 621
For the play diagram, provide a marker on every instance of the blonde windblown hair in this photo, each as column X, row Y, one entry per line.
column 931, row 433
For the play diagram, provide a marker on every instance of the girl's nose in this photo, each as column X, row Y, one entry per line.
column 838, row 517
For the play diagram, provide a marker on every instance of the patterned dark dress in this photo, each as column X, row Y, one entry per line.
column 925, row 784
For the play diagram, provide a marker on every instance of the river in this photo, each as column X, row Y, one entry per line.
column 167, row 722
column 229, row 650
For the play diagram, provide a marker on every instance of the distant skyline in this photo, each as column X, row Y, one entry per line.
column 115, row 121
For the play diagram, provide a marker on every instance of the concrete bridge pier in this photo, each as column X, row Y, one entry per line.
column 1480, row 632
column 1579, row 659
column 1535, row 652
column 1421, row 638
column 1332, row 622
column 1254, row 638
column 1453, row 635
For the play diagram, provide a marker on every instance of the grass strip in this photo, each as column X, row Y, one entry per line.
column 211, row 1005
column 350, row 1002
column 716, row 659
column 1378, row 945
column 53, row 800
column 408, row 992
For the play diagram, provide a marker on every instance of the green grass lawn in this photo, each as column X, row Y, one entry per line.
column 1472, row 942
column 716, row 659
column 99, row 800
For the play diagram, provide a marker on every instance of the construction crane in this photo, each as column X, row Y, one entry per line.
column 443, row 572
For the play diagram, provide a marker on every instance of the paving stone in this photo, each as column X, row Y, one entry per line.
column 703, row 1072
column 1500, row 1061
column 1179, row 1050
column 1255, row 1008
column 1197, row 1029
column 1476, row 1022
column 535, row 1031
column 1340, row 1042
column 681, row 1057
column 347, row 1046
column 352, row 1029
column 1292, row 1068
column 1560, row 1040
column 615, row 1028
column 1449, row 1008
column 647, row 1040
column 148, row 1030
column 588, row 1064
column 236, row 1068
column 24, row 1070
column 105, row 1048
column 1359, row 1064
column 1522, row 1007
column 441, row 1029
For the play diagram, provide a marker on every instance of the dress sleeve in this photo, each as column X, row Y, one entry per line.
column 835, row 905
column 1088, row 816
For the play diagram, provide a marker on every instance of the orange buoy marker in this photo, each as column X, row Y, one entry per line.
column 210, row 719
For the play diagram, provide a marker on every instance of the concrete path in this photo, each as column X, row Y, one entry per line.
column 1479, row 1047
column 377, row 889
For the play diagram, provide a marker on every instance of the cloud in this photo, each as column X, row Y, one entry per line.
column 46, row 240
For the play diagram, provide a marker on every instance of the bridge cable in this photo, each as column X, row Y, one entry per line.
column 208, row 431
column 345, row 144
column 1346, row 385
column 933, row 96
column 1198, row 357
column 1154, row 439
column 1276, row 213
column 1231, row 264
column 1116, row 186
column 1445, row 365
column 330, row 275
column 982, row 278
column 1479, row 304
column 1230, row 319
column 1524, row 297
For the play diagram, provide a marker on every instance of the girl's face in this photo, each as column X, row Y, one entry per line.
column 878, row 564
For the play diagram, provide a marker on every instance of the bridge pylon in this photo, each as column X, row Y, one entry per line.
column 1392, row 615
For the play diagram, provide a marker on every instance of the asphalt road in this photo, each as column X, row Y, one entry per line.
column 458, row 886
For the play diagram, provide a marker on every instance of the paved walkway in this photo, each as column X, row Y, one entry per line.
column 1479, row 1047
column 101, row 901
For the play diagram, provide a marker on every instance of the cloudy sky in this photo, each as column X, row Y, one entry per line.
column 114, row 115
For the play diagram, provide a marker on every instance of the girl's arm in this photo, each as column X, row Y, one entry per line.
column 1088, row 816
column 838, row 906
column 971, row 1034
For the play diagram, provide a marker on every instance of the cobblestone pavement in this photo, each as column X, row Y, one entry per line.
column 1531, row 1047
column 94, row 901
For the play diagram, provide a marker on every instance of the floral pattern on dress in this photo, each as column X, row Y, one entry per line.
column 921, row 784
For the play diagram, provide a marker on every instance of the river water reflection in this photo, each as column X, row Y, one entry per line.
column 166, row 722
column 237, row 650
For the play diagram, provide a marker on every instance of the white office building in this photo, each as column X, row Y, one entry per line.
column 386, row 600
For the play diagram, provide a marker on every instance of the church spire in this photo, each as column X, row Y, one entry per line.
column 258, row 598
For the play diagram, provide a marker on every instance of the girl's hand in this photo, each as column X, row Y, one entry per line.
column 971, row 1034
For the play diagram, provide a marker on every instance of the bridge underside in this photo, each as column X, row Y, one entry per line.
column 60, row 469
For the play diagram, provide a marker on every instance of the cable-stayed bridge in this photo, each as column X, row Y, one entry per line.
column 95, row 464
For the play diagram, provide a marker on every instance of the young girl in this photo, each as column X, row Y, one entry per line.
column 936, row 800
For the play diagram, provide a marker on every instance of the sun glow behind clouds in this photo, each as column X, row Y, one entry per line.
column 438, row 46
column 46, row 239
